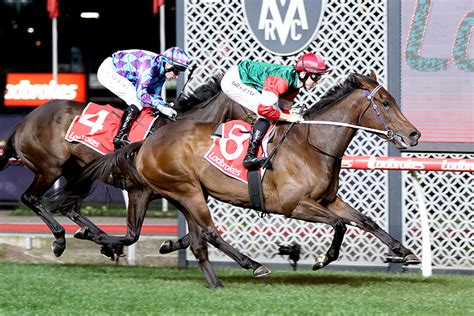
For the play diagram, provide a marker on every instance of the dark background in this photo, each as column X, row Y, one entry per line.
column 82, row 45
column 122, row 25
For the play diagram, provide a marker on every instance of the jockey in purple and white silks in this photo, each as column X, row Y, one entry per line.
column 137, row 77
column 269, row 91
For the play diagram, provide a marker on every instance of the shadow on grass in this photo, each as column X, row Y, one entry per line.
column 236, row 276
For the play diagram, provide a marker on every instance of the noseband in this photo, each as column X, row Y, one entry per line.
column 370, row 97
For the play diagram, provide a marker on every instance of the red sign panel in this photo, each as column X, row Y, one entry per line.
column 33, row 89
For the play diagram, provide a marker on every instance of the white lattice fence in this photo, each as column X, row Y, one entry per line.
column 449, row 198
column 352, row 38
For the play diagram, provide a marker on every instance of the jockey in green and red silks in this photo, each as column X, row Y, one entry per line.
column 137, row 77
column 269, row 91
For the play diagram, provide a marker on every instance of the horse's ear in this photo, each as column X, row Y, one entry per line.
column 373, row 76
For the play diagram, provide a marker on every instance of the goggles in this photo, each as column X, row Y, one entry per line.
column 176, row 69
column 315, row 77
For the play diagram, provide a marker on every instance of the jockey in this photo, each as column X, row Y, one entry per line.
column 137, row 77
column 269, row 91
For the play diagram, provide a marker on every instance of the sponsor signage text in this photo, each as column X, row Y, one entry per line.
column 33, row 89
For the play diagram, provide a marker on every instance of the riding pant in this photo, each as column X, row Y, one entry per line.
column 118, row 84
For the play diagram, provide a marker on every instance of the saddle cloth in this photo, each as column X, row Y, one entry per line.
column 229, row 148
column 98, row 125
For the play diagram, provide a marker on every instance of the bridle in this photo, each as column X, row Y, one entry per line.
column 370, row 97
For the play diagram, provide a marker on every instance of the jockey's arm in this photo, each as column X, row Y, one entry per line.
column 142, row 91
column 273, row 88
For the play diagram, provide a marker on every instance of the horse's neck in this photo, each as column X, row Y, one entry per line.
column 334, row 139
column 213, row 111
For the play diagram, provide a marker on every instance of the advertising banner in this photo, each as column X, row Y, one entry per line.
column 34, row 89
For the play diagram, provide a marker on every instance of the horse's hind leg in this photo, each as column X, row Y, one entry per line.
column 112, row 246
column 355, row 218
column 32, row 199
column 169, row 246
column 310, row 211
column 200, row 251
column 199, row 210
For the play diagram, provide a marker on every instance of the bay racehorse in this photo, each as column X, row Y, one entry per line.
column 38, row 141
column 302, row 184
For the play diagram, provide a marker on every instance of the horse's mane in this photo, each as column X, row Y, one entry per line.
column 336, row 93
column 187, row 101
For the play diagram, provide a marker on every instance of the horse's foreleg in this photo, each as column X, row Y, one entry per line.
column 32, row 199
column 310, row 211
column 355, row 218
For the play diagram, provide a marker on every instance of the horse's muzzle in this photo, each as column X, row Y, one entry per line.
column 414, row 137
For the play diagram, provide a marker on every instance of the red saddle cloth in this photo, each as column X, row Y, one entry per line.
column 98, row 125
column 229, row 148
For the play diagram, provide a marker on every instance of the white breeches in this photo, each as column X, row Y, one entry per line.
column 119, row 85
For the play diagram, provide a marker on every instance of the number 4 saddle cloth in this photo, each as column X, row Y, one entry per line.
column 98, row 125
column 231, row 140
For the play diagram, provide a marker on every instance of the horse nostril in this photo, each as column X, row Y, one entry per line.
column 415, row 135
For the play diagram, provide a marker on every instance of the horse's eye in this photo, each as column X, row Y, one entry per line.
column 386, row 104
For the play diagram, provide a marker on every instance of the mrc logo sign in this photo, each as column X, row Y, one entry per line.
column 284, row 27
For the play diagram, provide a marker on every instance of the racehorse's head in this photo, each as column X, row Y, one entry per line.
column 383, row 112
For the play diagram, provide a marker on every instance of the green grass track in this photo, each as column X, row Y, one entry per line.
column 52, row 289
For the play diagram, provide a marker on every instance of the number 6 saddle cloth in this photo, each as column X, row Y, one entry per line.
column 98, row 125
column 231, row 140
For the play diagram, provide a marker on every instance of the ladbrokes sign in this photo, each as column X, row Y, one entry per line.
column 33, row 89
column 284, row 27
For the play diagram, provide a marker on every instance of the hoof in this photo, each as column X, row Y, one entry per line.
column 113, row 253
column 166, row 247
column 218, row 285
column 261, row 272
column 320, row 262
column 58, row 247
column 81, row 233
column 411, row 259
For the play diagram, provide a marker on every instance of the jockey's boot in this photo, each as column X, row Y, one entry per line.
column 129, row 116
column 251, row 161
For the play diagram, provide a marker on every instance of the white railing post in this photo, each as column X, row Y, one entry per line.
column 131, row 253
column 426, row 257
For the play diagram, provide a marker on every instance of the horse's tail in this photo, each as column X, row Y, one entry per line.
column 117, row 164
column 7, row 150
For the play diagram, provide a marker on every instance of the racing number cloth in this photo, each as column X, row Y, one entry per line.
column 98, row 125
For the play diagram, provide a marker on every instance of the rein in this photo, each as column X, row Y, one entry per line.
column 387, row 132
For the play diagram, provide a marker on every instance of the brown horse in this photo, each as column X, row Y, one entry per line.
column 38, row 141
column 303, row 183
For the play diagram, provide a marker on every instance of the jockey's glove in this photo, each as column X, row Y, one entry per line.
column 169, row 112
column 294, row 117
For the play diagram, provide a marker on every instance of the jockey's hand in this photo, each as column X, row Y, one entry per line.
column 293, row 117
column 169, row 112
column 170, row 104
